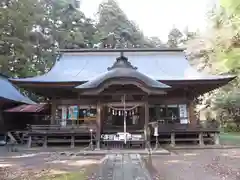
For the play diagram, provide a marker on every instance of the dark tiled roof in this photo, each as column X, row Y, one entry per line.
column 9, row 92
column 87, row 65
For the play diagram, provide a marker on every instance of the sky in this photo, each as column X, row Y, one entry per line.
column 158, row 17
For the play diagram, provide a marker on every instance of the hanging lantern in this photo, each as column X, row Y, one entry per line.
column 109, row 110
column 119, row 113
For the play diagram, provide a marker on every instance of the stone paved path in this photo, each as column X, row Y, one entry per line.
column 123, row 167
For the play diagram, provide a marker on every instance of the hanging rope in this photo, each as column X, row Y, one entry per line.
column 122, row 109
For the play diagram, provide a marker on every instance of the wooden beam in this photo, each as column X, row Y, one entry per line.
column 127, row 103
column 82, row 101
column 167, row 99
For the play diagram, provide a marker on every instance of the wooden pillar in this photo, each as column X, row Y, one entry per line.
column 53, row 111
column 98, row 130
column 146, row 129
column 191, row 113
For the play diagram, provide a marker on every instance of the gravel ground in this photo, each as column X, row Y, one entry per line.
column 31, row 166
column 208, row 164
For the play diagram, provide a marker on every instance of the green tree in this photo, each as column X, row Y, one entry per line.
column 18, row 20
column 70, row 28
column 175, row 38
column 32, row 30
column 217, row 51
column 112, row 20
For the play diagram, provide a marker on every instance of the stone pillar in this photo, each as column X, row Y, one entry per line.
column 53, row 111
column 146, row 129
column 98, row 122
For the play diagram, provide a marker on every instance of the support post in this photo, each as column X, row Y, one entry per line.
column 156, row 135
column 173, row 139
column 2, row 126
column 45, row 141
column 216, row 139
column 72, row 141
column 191, row 115
column 98, row 130
column 29, row 141
column 146, row 133
column 53, row 111
column 200, row 137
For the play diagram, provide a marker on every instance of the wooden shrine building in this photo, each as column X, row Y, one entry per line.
column 9, row 97
column 116, row 95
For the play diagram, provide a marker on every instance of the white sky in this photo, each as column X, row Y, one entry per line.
column 157, row 17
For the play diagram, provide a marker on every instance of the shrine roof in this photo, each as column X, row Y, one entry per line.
column 87, row 64
column 120, row 70
column 9, row 92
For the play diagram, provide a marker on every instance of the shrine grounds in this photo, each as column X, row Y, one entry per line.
column 210, row 164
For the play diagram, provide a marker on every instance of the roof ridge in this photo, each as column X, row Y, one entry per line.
column 123, row 50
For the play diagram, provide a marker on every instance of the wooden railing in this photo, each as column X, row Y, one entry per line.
column 177, row 127
column 60, row 129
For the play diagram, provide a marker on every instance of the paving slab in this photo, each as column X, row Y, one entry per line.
column 123, row 167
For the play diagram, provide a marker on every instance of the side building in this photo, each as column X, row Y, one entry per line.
column 9, row 97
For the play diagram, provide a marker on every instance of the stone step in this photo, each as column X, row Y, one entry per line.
column 123, row 167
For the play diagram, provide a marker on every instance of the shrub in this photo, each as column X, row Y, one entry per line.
column 232, row 127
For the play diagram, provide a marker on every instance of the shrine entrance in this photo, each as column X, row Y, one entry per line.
column 123, row 124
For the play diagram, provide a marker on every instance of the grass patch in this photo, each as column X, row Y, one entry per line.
column 230, row 138
column 67, row 176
